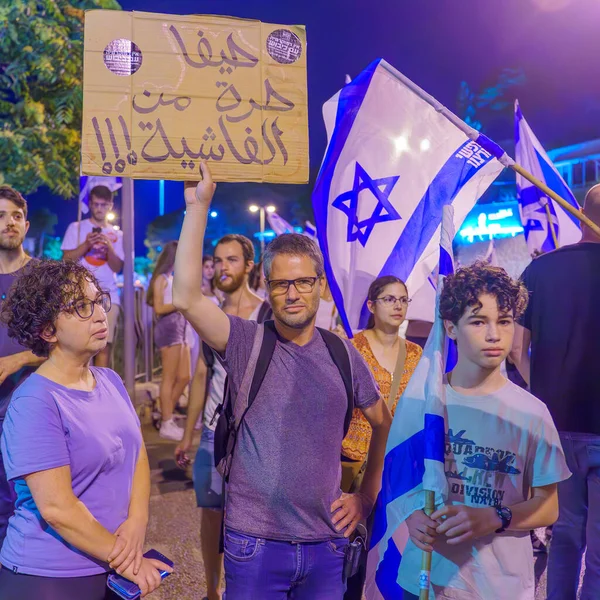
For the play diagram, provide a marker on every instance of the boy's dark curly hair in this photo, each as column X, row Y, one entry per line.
column 39, row 294
column 463, row 289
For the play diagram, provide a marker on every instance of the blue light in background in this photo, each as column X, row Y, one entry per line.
column 214, row 214
column 270, row 234
column 161, row 197
column 488, row 221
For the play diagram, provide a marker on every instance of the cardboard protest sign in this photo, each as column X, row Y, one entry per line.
column 162, row 92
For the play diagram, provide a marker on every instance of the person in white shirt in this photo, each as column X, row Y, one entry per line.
column 98, row 246
column 503, row 456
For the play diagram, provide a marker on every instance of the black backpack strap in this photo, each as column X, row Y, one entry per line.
column 209, row 360
column 264, row 359
column 341, row 357
column 265, row 312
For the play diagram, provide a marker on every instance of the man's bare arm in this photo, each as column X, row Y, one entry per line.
column 209, row 321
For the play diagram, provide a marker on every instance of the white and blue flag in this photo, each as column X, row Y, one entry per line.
column 88, row 183
column 278, row 224
column 414, row 460
column 532, row 201
column 395, row 158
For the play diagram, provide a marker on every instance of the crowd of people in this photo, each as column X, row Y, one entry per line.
column 294, row 418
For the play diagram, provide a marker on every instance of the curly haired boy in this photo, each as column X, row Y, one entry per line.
column 503, row 457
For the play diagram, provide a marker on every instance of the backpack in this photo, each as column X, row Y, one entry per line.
column 265, row 312
column 233, row 410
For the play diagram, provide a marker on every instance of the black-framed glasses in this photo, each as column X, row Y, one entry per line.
column 304, row 285
column 85, row 307
column 392, row 300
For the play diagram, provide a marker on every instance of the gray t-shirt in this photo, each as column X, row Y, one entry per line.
column 286, row 469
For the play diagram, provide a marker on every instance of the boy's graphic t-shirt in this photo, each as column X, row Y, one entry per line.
column 498, row 447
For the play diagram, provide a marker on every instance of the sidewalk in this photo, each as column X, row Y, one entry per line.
column 174, row 527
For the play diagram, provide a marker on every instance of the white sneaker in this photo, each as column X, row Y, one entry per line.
column 170, row 431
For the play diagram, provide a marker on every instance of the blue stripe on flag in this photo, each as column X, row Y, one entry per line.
column 446, row 262
column 404, row 468
column 386, row 576
column 554, row 182
column 349, row 103
column 489, row 145
column 426, row 218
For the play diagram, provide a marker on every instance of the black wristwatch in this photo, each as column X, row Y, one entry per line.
column 505, row 515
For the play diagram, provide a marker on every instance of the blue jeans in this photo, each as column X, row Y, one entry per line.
column 578, row 523
column 259, row 569
column 208, row 484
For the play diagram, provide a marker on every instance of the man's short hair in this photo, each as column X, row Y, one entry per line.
column 243, row 241
column 294, row 244
column 102, row 193
column 9, row 193
column 463, row 289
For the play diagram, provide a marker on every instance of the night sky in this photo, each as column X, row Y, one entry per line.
column 438, row 44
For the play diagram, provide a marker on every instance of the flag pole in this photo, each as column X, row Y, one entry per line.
column 490, row 146
column 551, row 225
column 568, row 207
column 424, row 577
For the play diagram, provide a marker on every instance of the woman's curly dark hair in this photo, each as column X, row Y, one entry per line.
column 39, row 294
column 463, row 289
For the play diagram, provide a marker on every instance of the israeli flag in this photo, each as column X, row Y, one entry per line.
column 278, row 224
column 395, row 158
column 414, row 460
column 532, row 201
column 88, row 183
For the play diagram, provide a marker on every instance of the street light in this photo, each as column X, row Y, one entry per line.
column 254, row 208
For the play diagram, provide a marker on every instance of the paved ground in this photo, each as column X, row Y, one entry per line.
column 174, row 527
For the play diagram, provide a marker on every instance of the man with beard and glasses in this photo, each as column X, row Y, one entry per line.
column 233, row 263
column 16, row 363
column 99, row 247
column 287, row 522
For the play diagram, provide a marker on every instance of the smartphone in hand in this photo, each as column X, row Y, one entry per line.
column 127, row 589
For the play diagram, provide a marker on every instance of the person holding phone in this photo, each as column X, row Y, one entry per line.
column 98, row 246
column 73, row 448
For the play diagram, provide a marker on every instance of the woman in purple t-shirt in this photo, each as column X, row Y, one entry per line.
column 73, row 448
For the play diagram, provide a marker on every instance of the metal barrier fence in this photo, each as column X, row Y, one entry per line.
column 147, row 361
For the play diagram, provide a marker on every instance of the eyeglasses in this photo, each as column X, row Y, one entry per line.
column 304, row 285
column 85, row 307
column 391, row 300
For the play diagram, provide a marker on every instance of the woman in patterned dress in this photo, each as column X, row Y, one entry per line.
column 379, row 345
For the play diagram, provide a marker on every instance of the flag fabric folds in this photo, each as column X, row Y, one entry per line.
column 395, row 158
column 532, row 201
column 414, row 460
column 278, row 224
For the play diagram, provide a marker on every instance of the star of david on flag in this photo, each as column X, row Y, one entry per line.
column 395, row 158
column 384, row 211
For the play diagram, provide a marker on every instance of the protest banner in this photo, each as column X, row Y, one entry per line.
column 163, row 92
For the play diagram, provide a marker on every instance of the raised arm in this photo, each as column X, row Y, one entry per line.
column 209, row 321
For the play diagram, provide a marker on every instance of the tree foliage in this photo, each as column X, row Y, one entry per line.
column 41, row 68
column 474, row 106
